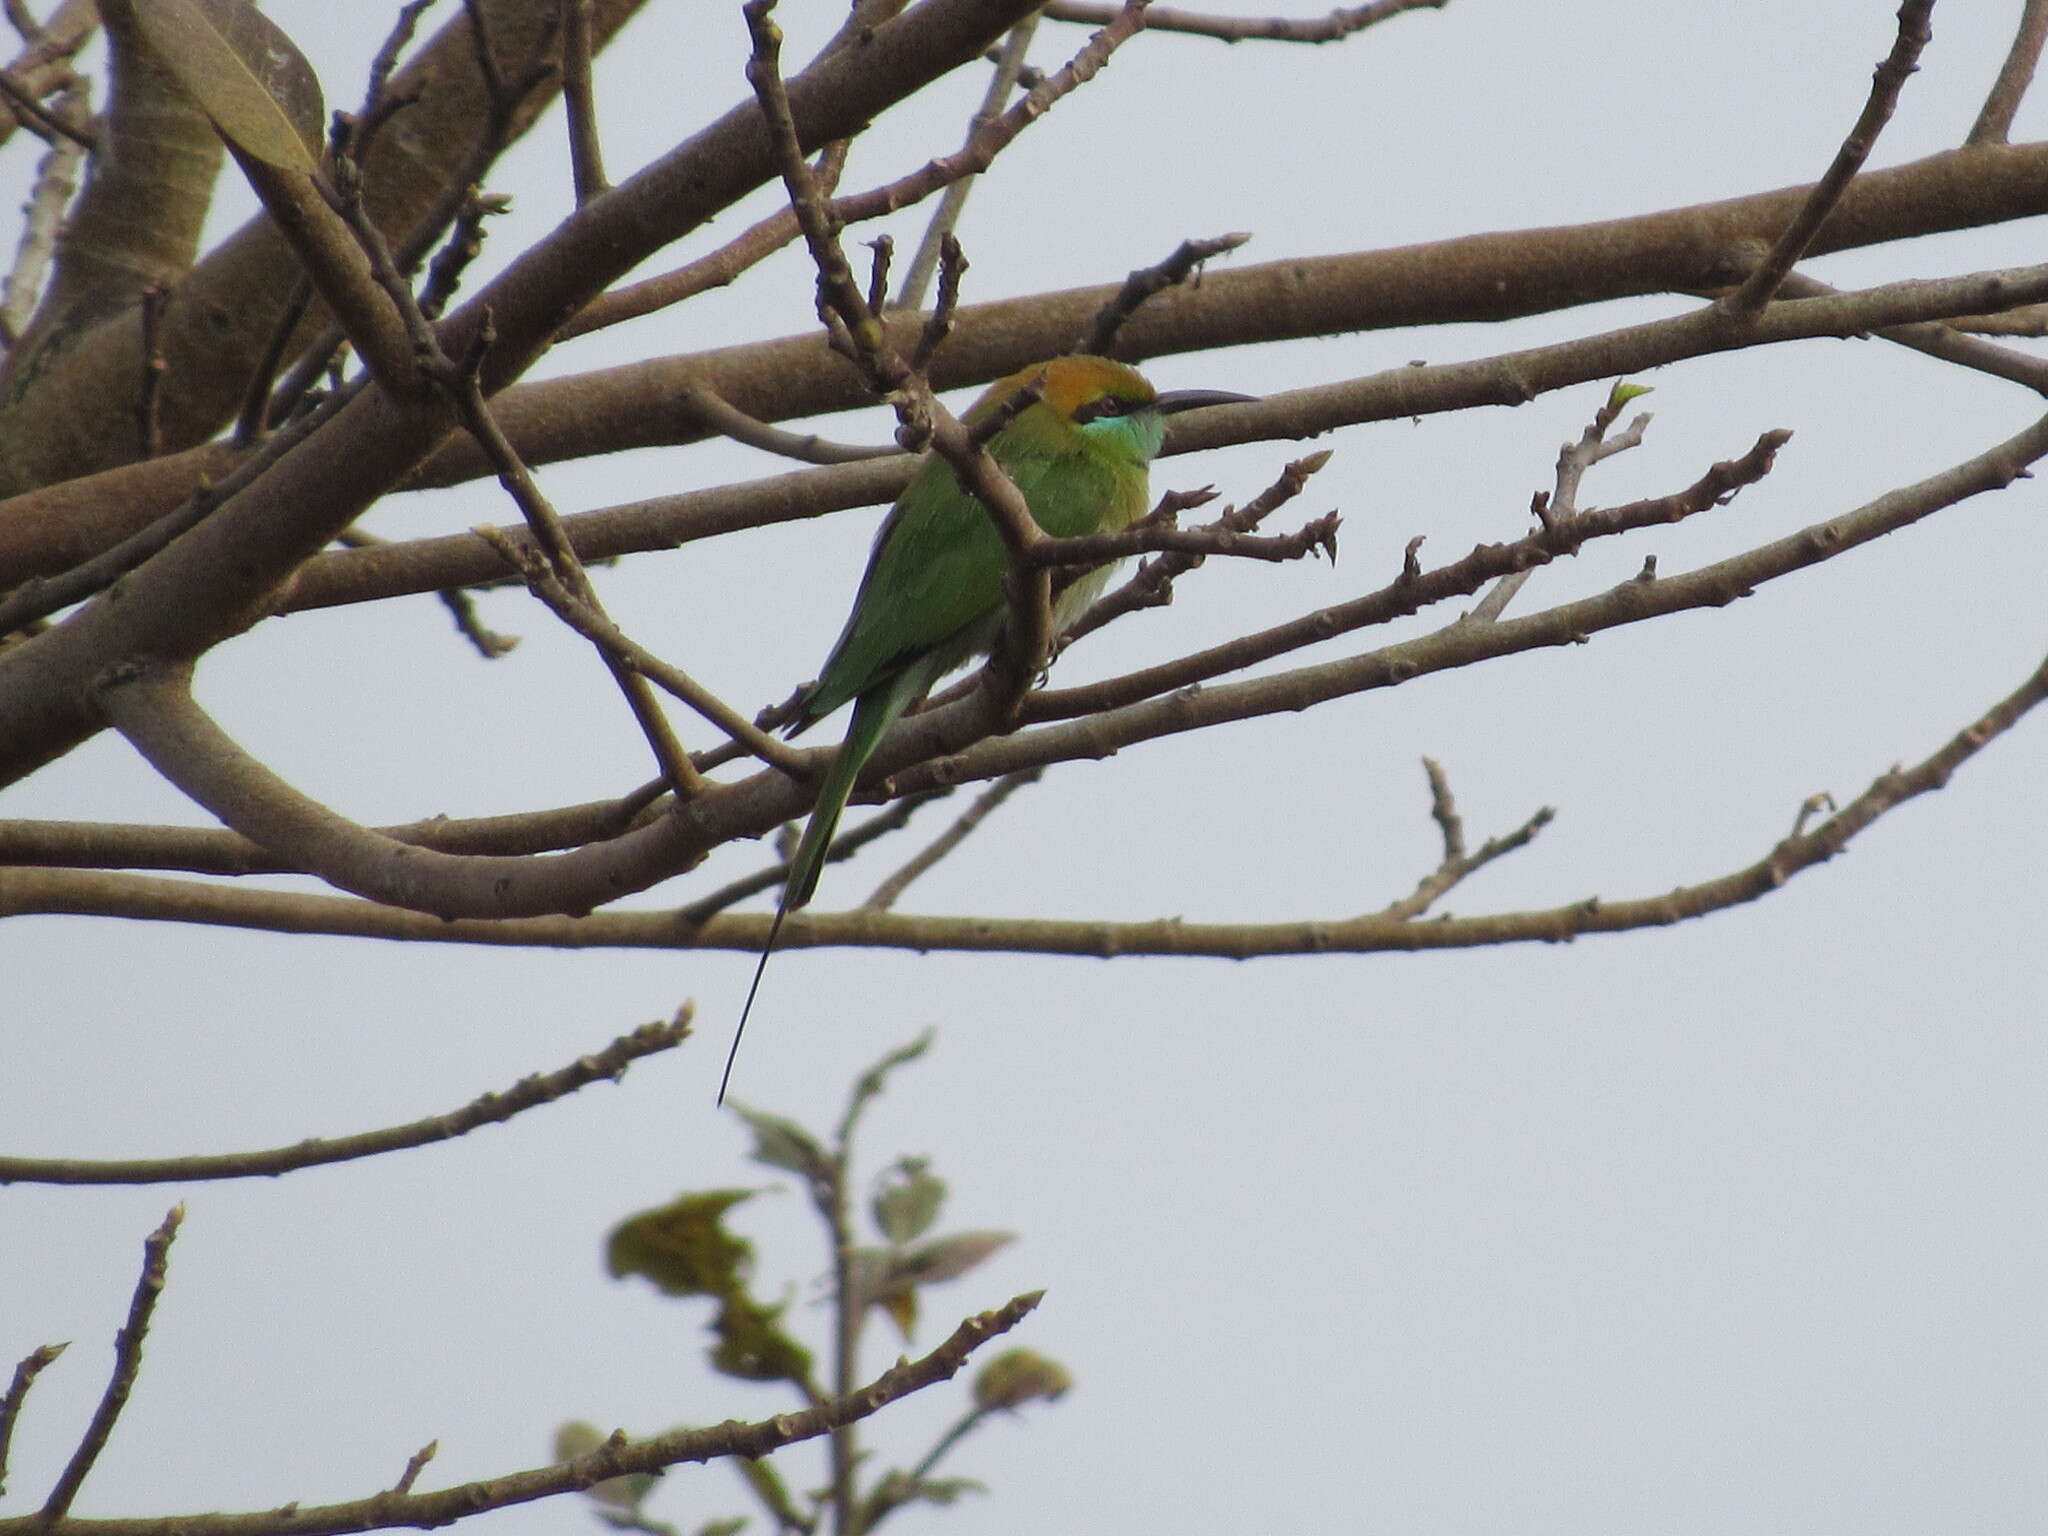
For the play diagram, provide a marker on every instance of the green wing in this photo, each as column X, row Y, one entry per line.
column 934, row 583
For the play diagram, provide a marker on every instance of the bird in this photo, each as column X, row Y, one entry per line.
column 932, row 596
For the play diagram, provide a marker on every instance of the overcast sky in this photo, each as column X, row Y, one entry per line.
column 1737, row 1226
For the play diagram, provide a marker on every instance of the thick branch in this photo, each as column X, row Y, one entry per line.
column 1484, row 277
column 136, row 896
column 153, row 707
column 216, row 580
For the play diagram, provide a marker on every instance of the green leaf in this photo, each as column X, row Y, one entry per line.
column 1623, row 392
column 947, row 1258
column 782, row 1143
column 944, row 1490
column 752, row 1345
column 908, row 1201
column 243, row 71
column 1018, row 1376
column 683, row 1246
column 732, row 1525
column 770, row 1489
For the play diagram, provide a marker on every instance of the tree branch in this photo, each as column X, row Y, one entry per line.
column 1994, row 122
column 153, row 899
column 153, row 707
column 608, row 1064
column 127, row 1363
column 618, row 1457
column 1334, row 27
column 1889, row 80
column 26, row 1370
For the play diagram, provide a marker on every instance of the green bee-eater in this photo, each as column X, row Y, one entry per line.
column 932, row 597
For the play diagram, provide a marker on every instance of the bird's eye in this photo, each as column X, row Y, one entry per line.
column 1105, row 405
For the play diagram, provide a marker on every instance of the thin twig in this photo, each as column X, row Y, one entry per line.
column 620, row 1457
column 1457, row 864
column 752, row 246
column 38, row 599
column 586, row 156
column 718, row 415
column 607, row 1065
column 461, row 605
column 23, row 20
column 1573, row 460
column 546, row 526
column 1415, row 589
column 379, row 104
column 624, row 651
column 945, row 220
column 1315, row 537
column 985, row 804
column 26, row 1370
column 1994, row 122
column 1147, row 281
column 1151, row 586
column 486, row 53
column 1334, row 27
column 462, row 382
column 1888, row 81
column 56, row 180
column 127, row 1363
column 844, row 846
column 415, row 1464
column 40, row 119
column 254, row 418
column 148, row 418
column 856, row 330
column 781, row 227
column 939, row 324
column 464, row 244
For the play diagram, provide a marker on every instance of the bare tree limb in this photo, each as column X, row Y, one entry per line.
column 50, row 125
column 26, row 1370
column 1142, row 284
column 127, row 1364
column 1573, row 460
column 892, row 819
column 891, row 890
column 56, row 180
column 1889, row 80
column 153, row 707
column 45, row 697
column 1994, row 122
column 164, row 900
column 586, row 155
column 1334, row 27
column 621, row 648
column 1457, row 864
column 607, row 1065
column 1475, row 278
column 618, row 1457
column 945, row 220
column 723, row 418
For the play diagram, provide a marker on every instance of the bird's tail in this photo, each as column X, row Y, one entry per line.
column 873, row 713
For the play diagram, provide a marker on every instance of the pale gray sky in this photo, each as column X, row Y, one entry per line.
column 1736, row 1226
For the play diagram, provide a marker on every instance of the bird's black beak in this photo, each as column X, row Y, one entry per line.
column 1194, row 399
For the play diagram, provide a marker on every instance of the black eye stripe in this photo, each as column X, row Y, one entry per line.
column 1107, row 405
